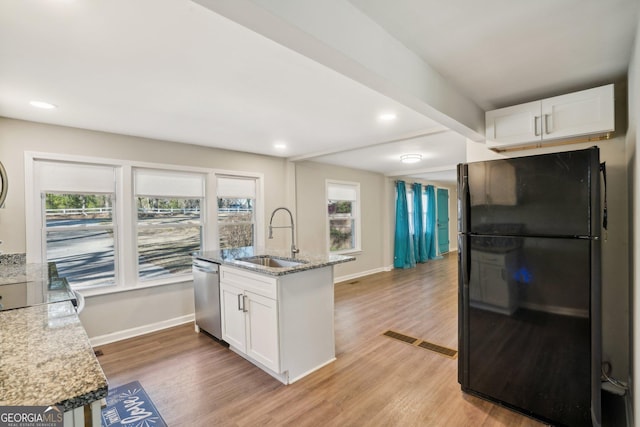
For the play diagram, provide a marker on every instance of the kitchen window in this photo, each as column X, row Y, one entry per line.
column 79, row 225
column 236, row 196
column 111, row 224
column 343, row 216
column 169, row 221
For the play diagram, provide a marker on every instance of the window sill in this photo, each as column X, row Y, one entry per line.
column 107, row 290
column 349, row 252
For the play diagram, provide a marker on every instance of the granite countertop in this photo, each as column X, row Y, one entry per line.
column 21, row 273
column 233, row 257
column 38, row 283
column 47, row 358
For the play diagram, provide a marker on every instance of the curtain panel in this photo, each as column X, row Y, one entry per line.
column 403, row 254
column 419, row 236
column 431, row 223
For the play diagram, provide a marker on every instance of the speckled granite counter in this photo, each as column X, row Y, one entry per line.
column 24, row 285
column 46, row 358
column 234, row 257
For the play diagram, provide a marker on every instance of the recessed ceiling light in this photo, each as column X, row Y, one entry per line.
column 279, row 145
column 387, row 117
column 42, row 104
column 410, row 158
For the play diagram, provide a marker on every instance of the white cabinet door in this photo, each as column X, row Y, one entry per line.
column 262, row 330
column 513, row 125
column 233, row 317
column 586, row 112
column 580, row 113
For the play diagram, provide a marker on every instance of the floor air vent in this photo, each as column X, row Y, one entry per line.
column 422, row 344
column 438, row 349
column 401, row 337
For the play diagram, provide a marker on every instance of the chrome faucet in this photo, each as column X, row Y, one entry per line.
column 294, row 250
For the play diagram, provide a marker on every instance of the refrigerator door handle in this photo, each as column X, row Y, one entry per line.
column 464, row 264
column 464, row 199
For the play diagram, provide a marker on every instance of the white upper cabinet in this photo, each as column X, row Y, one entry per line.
column 575, row 114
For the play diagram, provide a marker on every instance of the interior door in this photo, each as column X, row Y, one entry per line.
column 442, row 219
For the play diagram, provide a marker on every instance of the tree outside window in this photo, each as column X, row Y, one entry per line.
column 169, row 231
column 343, row 216
column 236, row 222
column 79, row 237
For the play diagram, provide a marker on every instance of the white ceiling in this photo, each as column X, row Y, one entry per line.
column 503, row 52
column 173, row 70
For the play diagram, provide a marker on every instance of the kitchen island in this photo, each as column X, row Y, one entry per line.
column 47, row 360
column 46, row 357
column 277, row 311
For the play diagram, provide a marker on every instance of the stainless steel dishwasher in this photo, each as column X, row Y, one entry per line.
column 206, row 288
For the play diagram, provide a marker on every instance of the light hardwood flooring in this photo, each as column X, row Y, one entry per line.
column 375, row 381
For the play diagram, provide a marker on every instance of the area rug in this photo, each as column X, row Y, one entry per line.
column 129, row 406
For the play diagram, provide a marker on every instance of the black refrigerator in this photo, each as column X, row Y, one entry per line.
column 529, row 284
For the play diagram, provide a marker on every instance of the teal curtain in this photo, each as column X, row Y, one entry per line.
column 403, row 255
column 431, row 223
column 419, row 236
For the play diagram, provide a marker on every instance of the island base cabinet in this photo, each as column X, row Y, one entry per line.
column 284, row 324
column 306, row 321
column 262, row 330
column 250, row 325
column 84, row 416
column 233, row 317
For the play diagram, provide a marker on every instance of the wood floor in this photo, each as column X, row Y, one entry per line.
column 375, row 381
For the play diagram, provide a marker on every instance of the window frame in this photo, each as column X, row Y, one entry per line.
column 259, row 208
column 113, row 227
column 355, row 216
column 125, row 211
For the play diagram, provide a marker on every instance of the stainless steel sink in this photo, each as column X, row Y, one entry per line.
column 272, row 261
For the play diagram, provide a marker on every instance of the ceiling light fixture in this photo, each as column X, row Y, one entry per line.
column 387, row 117
column 279, row 145
column 42, row 104
column 410, row 158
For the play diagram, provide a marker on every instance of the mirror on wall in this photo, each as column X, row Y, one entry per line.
column 4, row 185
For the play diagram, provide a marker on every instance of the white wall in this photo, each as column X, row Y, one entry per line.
column 136, row 309
column 615, row 243
column 312, row 215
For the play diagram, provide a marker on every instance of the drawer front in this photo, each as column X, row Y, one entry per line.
column 253, row 282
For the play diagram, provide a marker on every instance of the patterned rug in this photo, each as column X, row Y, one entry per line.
column 130, row 406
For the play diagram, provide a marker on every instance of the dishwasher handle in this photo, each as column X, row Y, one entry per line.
column 205, row 266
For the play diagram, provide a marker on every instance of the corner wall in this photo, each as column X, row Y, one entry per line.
column 311, row 213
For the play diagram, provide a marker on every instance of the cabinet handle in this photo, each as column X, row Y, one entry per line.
column 546, row 124
column 535, row 126
column 244, row 303
column 239, row 307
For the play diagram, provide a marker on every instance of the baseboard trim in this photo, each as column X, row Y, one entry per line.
column 141, row 330
column 361, row 274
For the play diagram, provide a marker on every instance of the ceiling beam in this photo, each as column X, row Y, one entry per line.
column 421, row 171
column 406, row 137
column 337, row 35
